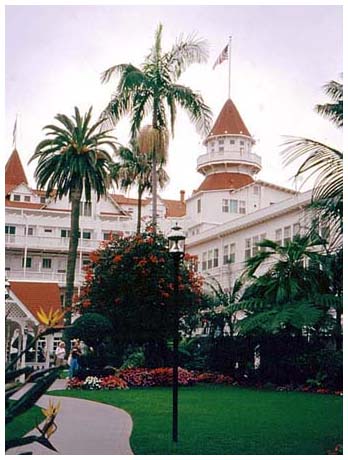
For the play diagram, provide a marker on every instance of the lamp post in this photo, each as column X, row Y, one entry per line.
column 176, row 239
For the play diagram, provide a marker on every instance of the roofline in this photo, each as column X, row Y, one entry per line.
column 248, row 220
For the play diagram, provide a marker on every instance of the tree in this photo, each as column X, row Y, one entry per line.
column 135, row 168
column 130, row 281
column 324, row 162
column 73, row 161
column 153, row 89
column 292, row 291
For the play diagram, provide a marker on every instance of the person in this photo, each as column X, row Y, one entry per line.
column 75, row 353
column 60, row 353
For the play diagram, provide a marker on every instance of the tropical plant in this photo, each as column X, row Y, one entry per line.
column 135, row 168
column 323, row 162
column 73, row 161
column 292, row 291
column 153, row 90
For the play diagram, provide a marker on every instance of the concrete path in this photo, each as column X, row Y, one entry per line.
column 84, row 428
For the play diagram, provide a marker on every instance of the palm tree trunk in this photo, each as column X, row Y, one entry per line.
column 154, row 191
column 140, row 193
column 72, row 254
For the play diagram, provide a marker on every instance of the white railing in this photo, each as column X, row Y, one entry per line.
column 217, row 157
column 44, row 242
column 49, row 275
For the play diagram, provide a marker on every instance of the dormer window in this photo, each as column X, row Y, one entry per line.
column 16, row 198
column 27, row 198
column 42, row 200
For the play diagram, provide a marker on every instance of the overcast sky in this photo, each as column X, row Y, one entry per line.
column 281, row 58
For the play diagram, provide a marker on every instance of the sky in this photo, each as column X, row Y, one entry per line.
column 281, row 57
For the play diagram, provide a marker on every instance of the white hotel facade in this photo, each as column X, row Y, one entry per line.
column 224, row 219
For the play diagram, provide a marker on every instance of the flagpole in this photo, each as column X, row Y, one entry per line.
column 229, row 67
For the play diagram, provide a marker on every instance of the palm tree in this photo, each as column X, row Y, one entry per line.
column 324, row 162
column 135, row 168
column 291, row 291
column 73, row 161
column 153, row 90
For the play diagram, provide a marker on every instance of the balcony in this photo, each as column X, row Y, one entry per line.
column 47, row 243
column 53, row 275
column 229, row 157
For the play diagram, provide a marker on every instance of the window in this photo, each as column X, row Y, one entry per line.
column 10, row 229
column 216, row 258
column 47, row 230
column 86, row 235
column 86, row 262
column 234, row 206
column 210, row 258
column 28, row 262
column 247, row 248
column 29, row 231
column 221, row 142
column 221, row 149
column 224, row 205
column 27, row 198
column 295, row 229
column 242, row 207
column 199, row 206
column 16, row 198
column 42, row 199
column 241, row 142
column 47, row 263
column 65, row 233
column 256, row 190
column 287, row 234
column 212, row 144
column 278, row 236
column 232, row 141
column 255, row 248
column 204, row 261
column 86, row 208
column 225, row 255
column 241, row 150
column 232, row 253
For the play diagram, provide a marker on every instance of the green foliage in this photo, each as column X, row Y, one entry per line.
column 134, row 357
column 130, row 281
column 92, row 328
column 24, row 423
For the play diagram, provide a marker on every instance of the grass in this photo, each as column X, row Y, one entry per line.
column 222, row 420
column 23, row 423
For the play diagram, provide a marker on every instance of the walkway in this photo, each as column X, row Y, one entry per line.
column 84, row 428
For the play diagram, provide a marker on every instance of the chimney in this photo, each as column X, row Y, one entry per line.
column 182, row 196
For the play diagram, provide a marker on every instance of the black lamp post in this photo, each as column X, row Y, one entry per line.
column 176, row 239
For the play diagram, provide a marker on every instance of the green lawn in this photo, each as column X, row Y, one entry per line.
column 222, row 420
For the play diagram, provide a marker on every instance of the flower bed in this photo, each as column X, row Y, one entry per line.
column 162, row 376
column 143, row 377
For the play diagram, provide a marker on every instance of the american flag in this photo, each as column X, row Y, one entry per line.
column 223, row 56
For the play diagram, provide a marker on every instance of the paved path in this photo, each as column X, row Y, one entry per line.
column 84, row 428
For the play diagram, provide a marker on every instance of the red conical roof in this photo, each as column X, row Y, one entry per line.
column 14, row 172
column 225, row 181
column 229, row 122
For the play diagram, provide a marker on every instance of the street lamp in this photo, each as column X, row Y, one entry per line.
column 176, row 238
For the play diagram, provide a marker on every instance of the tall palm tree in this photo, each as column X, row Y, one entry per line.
column 153, row 90
column 73, row 161
column 135, row 168
column 324, row 162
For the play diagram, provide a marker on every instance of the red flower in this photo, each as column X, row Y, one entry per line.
column 117, row 258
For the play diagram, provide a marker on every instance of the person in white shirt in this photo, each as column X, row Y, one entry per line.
column 60, row 354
